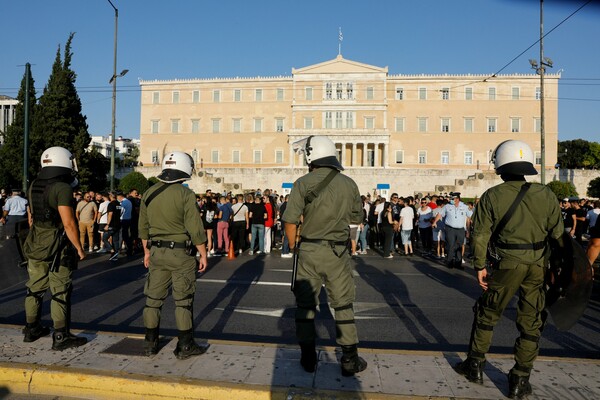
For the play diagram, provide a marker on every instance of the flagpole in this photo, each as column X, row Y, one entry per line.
column 340, row 39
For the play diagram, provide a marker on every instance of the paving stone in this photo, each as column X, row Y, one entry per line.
column 221, row 367
column 280, row 372
column 329, row 375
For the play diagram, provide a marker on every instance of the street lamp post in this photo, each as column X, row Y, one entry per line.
column 113, row 81
column 541, row 70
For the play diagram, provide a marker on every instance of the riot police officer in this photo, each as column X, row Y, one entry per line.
column 52, row 248
column 327, row 202
column 523, row 250
column 172, row 232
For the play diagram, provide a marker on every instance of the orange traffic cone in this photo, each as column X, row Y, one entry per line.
column 231, row 253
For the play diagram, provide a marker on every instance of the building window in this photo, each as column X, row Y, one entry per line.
column 492, row 93
column 195, row 126
column 196, row 96
column 154, row 126
column 515, row 125
column 538, row 158
column 349, row 91
column 258, row 125
column 339, row 91
column 469, row 93
column 237, row 95
column 422, row 157
column 339, row 119
column 216, row 96
column 279, row 124
column 399, row 124
column 258, row 95
column 370, row 93
column 350, row 120
column 308, row 93
column 468, row 158
column 516, row 93
column 445, row 124
column 538, row 124
column 491, row 122
column 538, row 93
column 445, row 93
column 399, row 156
column 279, row 94
column 308, row 123
column 174, row 126
column 216, row 125
column 328, row 91
column 469, row 125
column 328, row 122
column 214, row 156
column 155, row 97
column 422, row 124
column 422, row 93
column 155, row 157
column 399, row 93
column 369, row 122
column 235, row 156
column 237, row 125
column 279, row 156
column 175, row 97
column 445, row 159
column 257, row 156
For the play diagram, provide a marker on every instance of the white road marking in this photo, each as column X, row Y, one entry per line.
column 238, row 282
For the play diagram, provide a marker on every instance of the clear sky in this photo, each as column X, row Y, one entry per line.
column 226, row 38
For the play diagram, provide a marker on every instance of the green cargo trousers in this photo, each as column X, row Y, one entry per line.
column 529, row 281
column 170, row 267
column 40, row 279
column 318, row 264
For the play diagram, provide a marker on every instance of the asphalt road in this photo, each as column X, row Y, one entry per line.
column 404, row 303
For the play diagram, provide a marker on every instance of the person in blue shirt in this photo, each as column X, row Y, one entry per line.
column 14, row 211
column 456, row 221
column 225, row 211
column 126, row 215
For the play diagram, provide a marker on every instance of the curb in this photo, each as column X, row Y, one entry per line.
column 34, row 379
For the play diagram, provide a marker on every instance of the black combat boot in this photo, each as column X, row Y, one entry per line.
column 351, row 362
column 471, row 369
column 518, row 386
column 151, row 342
column 308, row 359
column 62, row 339
column 187, row 347
column 35, row 331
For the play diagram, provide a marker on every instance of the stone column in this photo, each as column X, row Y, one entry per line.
column 354, row 154
column 365, row 147
column 385, row 155
column 343, row 154
column 375, row 158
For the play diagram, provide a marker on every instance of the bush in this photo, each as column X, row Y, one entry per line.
column 593, row 189
column 134, row 180
column 562, row 189
column 152, row 180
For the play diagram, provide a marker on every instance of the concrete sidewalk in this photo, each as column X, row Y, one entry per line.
column 111, row 366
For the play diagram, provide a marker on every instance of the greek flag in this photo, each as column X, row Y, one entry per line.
column 341, row 37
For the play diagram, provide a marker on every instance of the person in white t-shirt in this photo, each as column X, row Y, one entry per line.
column 407, row 217
column 103, row 219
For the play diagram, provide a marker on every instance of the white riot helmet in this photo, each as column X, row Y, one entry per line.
column 514, row 157
column 177, row 166
column 57, row 161
column 319, row 151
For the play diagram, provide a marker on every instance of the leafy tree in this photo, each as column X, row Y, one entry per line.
column 90, row 164
column 152, row 180
column 593, row 189
column 130, row 159
column 59, row 122
column 579, row 153
column 562, row 189
column 133, row 180
column 11, row 152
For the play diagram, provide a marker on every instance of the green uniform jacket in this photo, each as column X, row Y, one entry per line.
column 328, row 216
column 536, row 218
column 173, row 215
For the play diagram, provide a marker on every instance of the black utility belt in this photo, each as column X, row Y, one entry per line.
column 322, row 241
column 167, row 244
column 522, row 246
